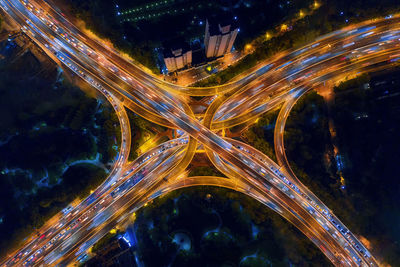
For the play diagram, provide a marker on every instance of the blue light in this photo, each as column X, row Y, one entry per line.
column 116, row 6
column 347, row 20
column 200, row 23
column 118, row 13
column 341, row 13
column 125, row 237
column 239, row 30
column 343, row 187
column 127, row 241
column 235, row 18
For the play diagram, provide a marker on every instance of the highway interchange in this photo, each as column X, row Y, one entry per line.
column 279, row 81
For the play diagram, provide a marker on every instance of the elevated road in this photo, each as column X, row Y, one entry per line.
column 269, row 85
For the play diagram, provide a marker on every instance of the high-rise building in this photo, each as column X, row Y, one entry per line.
column 220, row 36
column 177, row 56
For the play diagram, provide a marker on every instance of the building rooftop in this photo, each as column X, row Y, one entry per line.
column 175, row 48
column 222, row 24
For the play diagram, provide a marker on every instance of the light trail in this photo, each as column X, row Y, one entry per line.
column 269, row 84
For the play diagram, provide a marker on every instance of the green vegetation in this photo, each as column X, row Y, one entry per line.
column 309, row 150
column 261, row 134
column 307, row 141
column 102, row 243
column 186, row 19
column 141, row 27
column 367, row 121
column 109, row 132
column 229, row 73
column 53, row 144
column 226, row 228
column 139, row 126
column 326, row 19
column 205, row 171
column 365, row 115
column 354, row 84
column 142, row 130
column 100, row 17
column 23, row 215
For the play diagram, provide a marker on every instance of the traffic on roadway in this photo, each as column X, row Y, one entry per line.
column 281, row 79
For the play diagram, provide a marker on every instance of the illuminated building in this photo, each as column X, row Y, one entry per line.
column 177, row 56
column 219, row 36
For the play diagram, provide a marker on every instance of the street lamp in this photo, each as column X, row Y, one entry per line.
column 248, row 47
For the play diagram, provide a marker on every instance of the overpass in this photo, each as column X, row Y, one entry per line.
column 282, row 79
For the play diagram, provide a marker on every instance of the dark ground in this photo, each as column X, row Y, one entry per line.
column 367, row 124
column 47, row 127
column 226, row 229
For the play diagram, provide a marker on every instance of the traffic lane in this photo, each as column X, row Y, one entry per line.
column 120, row 60
column 115, row 204
column 263, row 97
column 82, row 209
column 132, row 198
column 277, row 81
